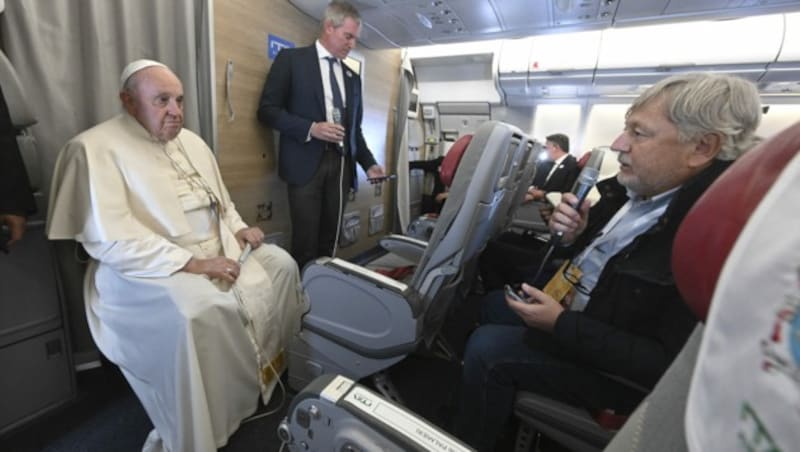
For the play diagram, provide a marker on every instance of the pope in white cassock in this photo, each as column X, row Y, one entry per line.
column 197, row 335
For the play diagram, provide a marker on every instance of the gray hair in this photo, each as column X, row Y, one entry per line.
column 699, row 103
column 338, row 11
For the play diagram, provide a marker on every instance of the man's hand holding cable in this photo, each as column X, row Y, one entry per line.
column 328, row 131
column 252, row 235
column 15, row 224
column 375, row 173
column 219, row 267
column 567, row 220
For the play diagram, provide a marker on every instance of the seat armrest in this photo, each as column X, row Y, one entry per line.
column 360, row 309
column 406, row 247
column 364, row 273
column 568, row 425
column 629, row 383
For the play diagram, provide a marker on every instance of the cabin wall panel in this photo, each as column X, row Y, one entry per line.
column 247, row 151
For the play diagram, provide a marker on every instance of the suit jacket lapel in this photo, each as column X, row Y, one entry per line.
column 319, row 92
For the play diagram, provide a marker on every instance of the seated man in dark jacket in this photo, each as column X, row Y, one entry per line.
column 626, row 317
column 557, row 173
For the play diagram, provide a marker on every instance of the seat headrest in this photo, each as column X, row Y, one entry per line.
column 584, row 158
column 710, row 229
column 450, row 163
column 21, row 114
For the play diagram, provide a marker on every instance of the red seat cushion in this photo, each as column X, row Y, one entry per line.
column 584, row 158
column 450, row 163
column 710, row 229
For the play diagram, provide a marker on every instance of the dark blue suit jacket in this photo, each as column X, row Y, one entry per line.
column 293, row 98
column 562, row 179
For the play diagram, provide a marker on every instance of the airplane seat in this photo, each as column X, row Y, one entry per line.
column 34, row 331
column 422, row 227
column 701, row 253
column 516, row 183
column 529, row 218
column 519, row 184
column 335, row 413
column 447, row 171
column 361, row 322
column 584, row 158
column 522, row 167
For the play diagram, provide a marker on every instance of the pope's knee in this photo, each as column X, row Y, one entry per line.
column 277, row 261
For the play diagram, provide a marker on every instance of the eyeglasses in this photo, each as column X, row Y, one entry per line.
column 574, row 279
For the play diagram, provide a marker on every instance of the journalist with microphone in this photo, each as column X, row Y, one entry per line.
column 315, row 101
column 621, row 316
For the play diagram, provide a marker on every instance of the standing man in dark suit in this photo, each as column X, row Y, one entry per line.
column 558, row 173
column 314, row 100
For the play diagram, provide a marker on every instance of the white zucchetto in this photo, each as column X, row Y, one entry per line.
column 134, row 67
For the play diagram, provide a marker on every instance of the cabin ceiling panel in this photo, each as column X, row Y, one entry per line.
column 637, row 9
column 521, row 15
column 582, row 12
column 406, row 23
column 476, row 17
column 725, row 6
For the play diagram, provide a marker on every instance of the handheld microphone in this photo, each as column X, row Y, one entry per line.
column 337, row 119
column 584, row 183
column 586, row 180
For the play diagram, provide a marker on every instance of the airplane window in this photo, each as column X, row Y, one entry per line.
column 778, row 118
column 604, row 124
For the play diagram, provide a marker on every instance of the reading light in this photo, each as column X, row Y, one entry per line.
column 424, row 21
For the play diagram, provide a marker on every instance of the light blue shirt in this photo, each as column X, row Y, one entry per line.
column 634, row 218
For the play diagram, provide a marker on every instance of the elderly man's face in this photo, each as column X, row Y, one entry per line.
column 651, row 158
column 339, row 41
column 156, row 101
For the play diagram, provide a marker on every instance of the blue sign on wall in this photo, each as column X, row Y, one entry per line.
column 276, row 44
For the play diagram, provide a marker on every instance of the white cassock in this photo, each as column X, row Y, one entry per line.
column 196, row 351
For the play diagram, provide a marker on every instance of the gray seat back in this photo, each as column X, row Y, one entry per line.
column 467, row 219
column 518, row 185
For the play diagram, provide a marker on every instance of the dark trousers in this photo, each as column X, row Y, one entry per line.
column 505, row 356
column 316, row 208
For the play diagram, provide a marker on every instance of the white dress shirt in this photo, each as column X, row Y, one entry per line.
column 324, row 69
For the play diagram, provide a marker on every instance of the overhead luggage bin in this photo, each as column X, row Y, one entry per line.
column 741, row 41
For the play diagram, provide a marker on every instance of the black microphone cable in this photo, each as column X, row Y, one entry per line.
column 337, row 119
column 586, row 180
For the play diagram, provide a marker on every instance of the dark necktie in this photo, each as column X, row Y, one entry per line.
column 336, row 93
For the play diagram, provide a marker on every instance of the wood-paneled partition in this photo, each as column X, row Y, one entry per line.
column 247, row 150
